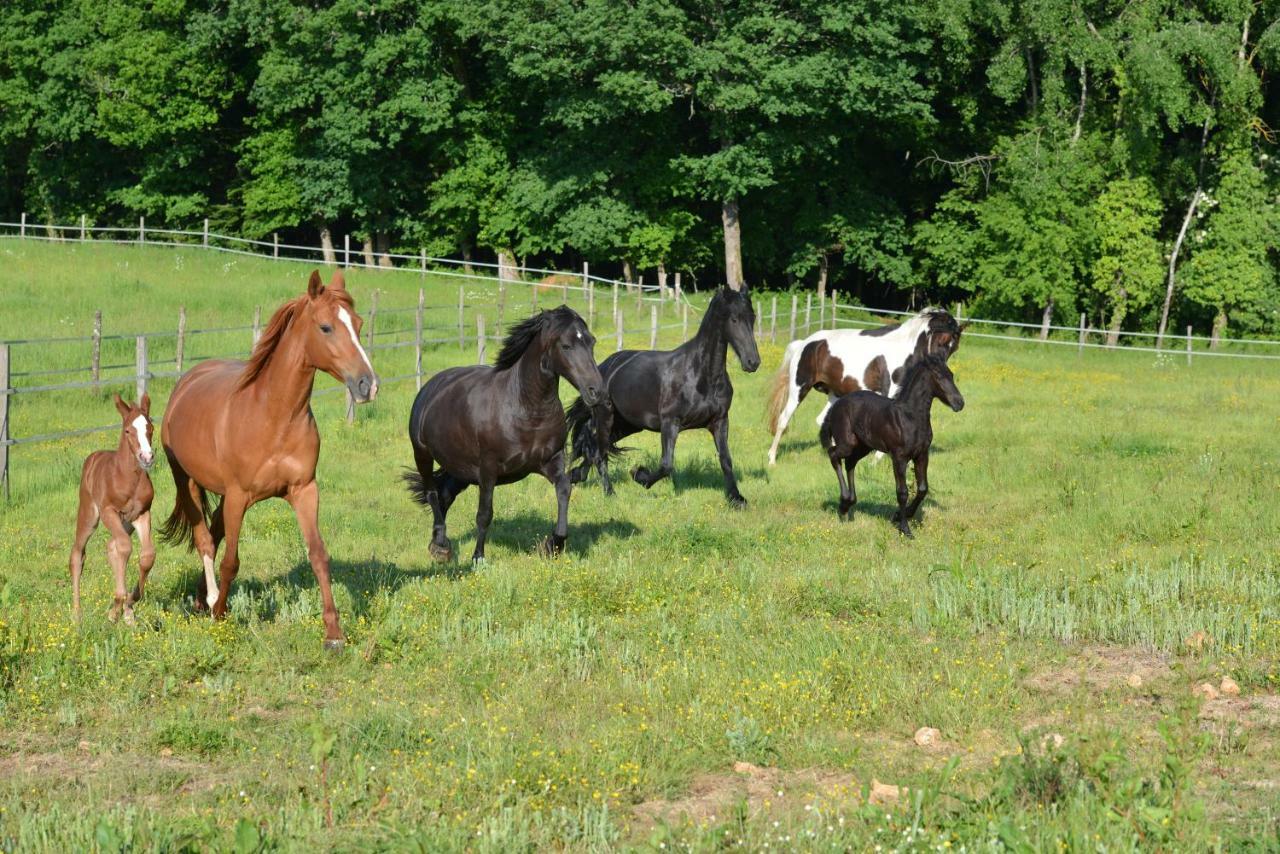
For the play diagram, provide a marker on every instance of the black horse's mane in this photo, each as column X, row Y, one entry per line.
column 912, row 370
column 524, row 333
column 718, row 306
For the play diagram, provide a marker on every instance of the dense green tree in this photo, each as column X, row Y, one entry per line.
column 1127, row 267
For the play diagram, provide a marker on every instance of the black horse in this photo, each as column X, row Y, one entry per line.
column 863, row 421
column 498, row 425
column 668, row 391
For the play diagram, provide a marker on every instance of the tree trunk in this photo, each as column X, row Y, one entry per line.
column 732, row 243
column 367, row 247
column 1173, row 266
column 1046, row 319
column 382, row 243
column 326, row 245
column 823, row 271
column 1117, row 319
column 507, row 269
column 466, row 255
column 628, row 275
column 1219, row 329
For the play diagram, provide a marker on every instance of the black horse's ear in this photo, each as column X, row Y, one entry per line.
column 315, row 287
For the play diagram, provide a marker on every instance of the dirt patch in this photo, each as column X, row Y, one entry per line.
column 770, row 791
column 1261, row 711
column 1104, row 668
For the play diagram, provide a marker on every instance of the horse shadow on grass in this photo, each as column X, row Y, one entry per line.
column 694, row 473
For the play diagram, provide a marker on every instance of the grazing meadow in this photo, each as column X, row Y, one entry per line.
column 1099, row 543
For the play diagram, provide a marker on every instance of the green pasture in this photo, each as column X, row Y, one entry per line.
column 1090, row 515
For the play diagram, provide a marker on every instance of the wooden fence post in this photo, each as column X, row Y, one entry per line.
column 679, row 293
column 417, row 336
column 1188, row 345
column 4, row 418
column 95, row 367
column 373, row 320
column 639, row 292
column 617, row 325
column 533, row 297
column 792, row 335
column 275, row 244
column 653, row 327
column 462, row 342
column 142, row 230
column 808, row 313
column 662, row 283
column 759, row 324
column 586, row 278
column 591, row 298
column 773, row 321
column 22, row 227
column 82, row 227
column 206, row 231
column 480, row 339
column 424, row 261
column 180, row 348
column 1080, row 349
column 564, row 290
column 257, row 324
column 684, row 324
column 346, row 251
column 141, row 360
column 615, row 299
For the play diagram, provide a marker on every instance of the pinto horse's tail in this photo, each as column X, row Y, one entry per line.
column 780, row 388
column 585, row 428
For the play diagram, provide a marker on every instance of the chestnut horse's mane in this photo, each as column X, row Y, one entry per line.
column 276, row 328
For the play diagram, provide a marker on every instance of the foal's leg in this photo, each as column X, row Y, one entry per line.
column 900, row 475
column 669, row 429
column 86, row 523
column 234, row 505
column 484, row 515
column 922, row 483
column 720, row 432
column 118, row 550
column 147, row 557
column 554, row 471
column 306, row 506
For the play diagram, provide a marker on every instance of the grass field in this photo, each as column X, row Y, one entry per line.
column 686, row 676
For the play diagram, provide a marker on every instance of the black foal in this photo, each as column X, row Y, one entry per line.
column 863, row 421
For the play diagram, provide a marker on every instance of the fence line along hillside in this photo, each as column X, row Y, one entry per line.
column 55, row 373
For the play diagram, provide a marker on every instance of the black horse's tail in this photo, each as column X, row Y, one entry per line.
column 417, row 486
column 585, row 428
column 824, row 432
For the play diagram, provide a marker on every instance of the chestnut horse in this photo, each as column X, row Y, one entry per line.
column 115, row 487
column 244, row 430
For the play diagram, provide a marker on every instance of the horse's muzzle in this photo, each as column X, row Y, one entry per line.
column 363, row 388
column 751, row 365
column 591, row 395
column 146, row 462
column 957, row 403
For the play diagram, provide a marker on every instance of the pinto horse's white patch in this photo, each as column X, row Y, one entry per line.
column 140, row 427
column 355, row 339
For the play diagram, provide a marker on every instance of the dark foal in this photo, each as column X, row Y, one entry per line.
column 490, row 426
column 667, row 392
column 863, row 421
column 115, row 488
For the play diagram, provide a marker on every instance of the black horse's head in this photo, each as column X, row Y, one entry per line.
column 941, row 333
column 566, row 346
column 934, row 367
column 732, row 311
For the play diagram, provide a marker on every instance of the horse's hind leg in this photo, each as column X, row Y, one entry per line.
column 234, row 505
column 554, row 471
column 86, row 523
column 189, row 501
column 444, row 489
column 795, row 394
column 922, row 483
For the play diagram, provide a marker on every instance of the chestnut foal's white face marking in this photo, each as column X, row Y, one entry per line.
column 145, row 453
column 345, row 317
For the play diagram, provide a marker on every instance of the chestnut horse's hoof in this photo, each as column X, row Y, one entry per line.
column 439, row 553
column 334, row 644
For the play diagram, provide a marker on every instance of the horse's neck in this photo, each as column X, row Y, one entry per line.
column 534, row 388
column 284, row 386
column 917, row 398
column 125, row 464
column 710, row 344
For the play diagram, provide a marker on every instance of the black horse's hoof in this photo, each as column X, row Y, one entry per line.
column 640, row 475
column 334, row 644
column 906, row 532
column 552, row 546
column 737, row 502
column 477, row 561
column 439, row 553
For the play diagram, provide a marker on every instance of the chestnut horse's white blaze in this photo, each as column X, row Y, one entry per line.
column 144, row 446
column 345, row 317
column 840, row 361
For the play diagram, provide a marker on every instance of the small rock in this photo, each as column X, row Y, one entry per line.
column 1133, row 680
column 1228, row 687
column 1197, row 641
column 84, row 746
column 747, row 768
column 166, row 751
column 927, row 735
column 1205, row 690
column 1052, row 741
column 884, row 794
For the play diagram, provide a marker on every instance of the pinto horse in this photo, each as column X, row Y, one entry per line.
column 491, row 425
column 668, row 392
column 244, row 430
column 862, row 422
column 115, row 488
column 840, row 361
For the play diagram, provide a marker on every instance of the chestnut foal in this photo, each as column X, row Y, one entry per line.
column 115, row 488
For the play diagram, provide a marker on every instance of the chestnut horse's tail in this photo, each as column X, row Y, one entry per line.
column 179, row 528
column 780, row 388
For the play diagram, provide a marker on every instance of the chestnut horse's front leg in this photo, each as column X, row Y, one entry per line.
column 234, row 505
column 305, row 500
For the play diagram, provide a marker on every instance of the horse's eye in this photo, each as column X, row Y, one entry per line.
column 326, row 328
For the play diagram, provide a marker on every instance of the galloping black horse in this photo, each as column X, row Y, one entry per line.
column 863, row 421
column 667, row 392
column 498, row 425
